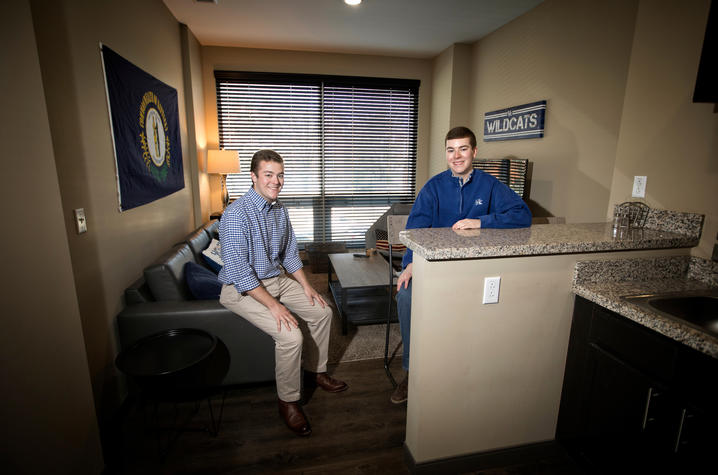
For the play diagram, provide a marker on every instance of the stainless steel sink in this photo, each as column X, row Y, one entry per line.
column 698, row 309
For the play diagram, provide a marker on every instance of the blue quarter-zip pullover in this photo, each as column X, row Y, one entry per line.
column 444, row 200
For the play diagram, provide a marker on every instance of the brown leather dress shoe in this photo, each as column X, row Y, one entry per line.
column 327, row 383
column 401, row 392
column 294, row 417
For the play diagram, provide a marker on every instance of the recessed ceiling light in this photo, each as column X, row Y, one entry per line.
column 352, row 2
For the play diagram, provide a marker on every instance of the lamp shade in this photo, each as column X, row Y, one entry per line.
column 222, row 161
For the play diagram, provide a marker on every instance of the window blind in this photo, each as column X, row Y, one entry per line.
column 348, row 143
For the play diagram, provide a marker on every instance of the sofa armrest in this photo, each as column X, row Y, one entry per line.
column 251, row 350
column 138, row 292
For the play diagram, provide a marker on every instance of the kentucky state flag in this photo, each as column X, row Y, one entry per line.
column 145, row 128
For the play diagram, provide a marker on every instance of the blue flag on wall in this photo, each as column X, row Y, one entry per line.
column 145, row 131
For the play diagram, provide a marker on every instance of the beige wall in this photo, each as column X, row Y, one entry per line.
column 449, row 100
column 196, row 136
column 663, row 134
column 47, row 410
column 242, row 59
column 575, row 55
column 440, row 109
column 117, row 246
column 461, row 88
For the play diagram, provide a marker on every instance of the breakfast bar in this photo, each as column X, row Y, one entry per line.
column 486, row 378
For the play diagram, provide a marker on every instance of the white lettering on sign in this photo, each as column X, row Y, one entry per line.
column 513, row 124
column 518, row 122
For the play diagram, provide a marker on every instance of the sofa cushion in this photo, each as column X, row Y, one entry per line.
column 165, row 277
column 213, row 256
column 212, row 228
column 202, row 282
column 198, row 242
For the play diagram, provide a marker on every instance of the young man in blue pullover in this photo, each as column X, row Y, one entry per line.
column 461, row 198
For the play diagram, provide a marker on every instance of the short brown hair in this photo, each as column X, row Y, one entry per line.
column 461, row 133
column 264, row 156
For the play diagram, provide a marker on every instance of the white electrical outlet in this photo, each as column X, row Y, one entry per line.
column 491, row 289
column 639, row 187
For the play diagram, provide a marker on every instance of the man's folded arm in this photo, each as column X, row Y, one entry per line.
column 508, row 210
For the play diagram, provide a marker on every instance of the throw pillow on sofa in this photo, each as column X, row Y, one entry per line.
column 213, row 256
column 203, row 283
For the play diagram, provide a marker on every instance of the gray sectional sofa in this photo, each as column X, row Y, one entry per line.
column 161, row 300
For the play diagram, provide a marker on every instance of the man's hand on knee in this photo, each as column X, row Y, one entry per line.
column 313, row 295
column 309, row 291
column 283, row 316
column 280, row 313
column 404, row 277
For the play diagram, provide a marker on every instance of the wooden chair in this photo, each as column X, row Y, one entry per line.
column 394, row 224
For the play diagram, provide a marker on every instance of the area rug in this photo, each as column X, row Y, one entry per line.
column 362, row 342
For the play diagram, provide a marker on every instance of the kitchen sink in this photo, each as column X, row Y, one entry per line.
column 698, row 308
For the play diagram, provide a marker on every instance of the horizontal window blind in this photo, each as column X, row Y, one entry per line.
column 349, row 145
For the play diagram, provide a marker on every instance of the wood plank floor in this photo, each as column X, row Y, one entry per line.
column 357, row 432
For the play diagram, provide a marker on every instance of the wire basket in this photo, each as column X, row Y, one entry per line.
column 635, row 211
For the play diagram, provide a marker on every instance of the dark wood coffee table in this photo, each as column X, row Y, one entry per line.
column 361, row 289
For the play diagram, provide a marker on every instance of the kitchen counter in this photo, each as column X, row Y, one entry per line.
column 541, row 239
column 478, row 365
column 605, row 282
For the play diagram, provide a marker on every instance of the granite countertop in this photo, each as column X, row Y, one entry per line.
column 603, row 281
column 540, row 239
column 606, row 282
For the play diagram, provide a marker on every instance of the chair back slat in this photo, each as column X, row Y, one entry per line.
column 394, row 224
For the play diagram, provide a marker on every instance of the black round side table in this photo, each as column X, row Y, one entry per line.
column 185, row 364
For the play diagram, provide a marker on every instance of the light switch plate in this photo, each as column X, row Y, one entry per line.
column 639, row 187
column 80, row 221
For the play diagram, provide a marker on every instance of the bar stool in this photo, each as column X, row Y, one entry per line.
column 394, row 224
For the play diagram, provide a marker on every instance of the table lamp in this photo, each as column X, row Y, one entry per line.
column 223, row 162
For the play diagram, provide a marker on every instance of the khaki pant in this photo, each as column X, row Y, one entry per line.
column 313, row 319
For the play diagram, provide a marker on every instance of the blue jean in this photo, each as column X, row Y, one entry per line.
column 403, row 310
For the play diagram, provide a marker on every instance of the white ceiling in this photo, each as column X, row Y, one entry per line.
column 409, row 28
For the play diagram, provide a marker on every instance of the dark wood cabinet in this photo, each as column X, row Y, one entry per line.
column 635, row 400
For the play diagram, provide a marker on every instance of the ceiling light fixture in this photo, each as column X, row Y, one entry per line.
column 353, row 3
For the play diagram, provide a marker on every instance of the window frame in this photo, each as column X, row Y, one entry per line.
column 323, row 203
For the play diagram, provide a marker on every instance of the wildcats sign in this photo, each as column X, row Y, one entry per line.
column 518, row 122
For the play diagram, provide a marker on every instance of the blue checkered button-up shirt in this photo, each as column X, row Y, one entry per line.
column 257, row 240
